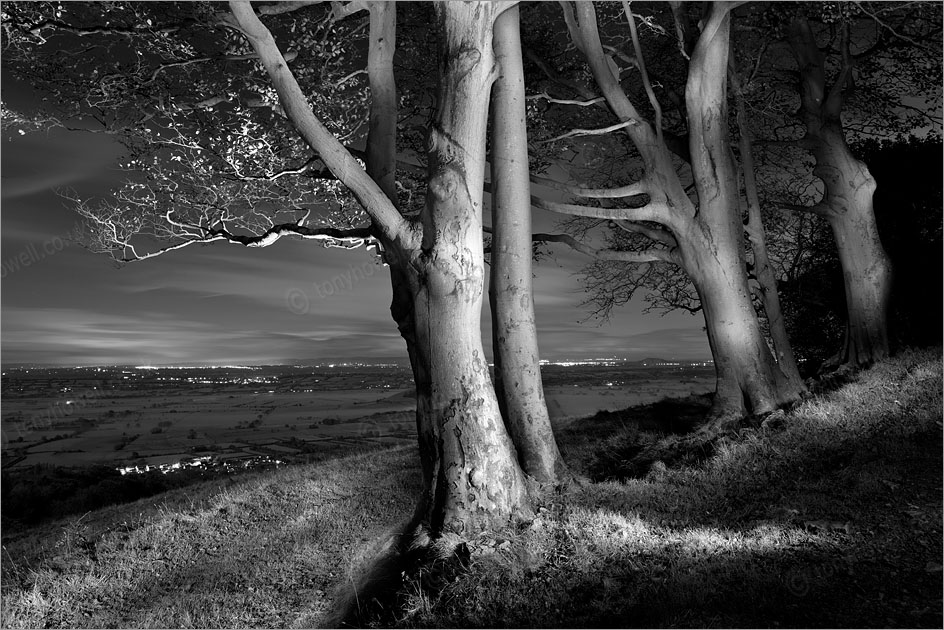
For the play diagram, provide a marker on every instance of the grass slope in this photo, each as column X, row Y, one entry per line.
column 831, row 517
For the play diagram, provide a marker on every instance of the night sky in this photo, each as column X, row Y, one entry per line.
column 226, row 304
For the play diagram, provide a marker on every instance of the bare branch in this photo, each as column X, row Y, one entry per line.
column 287, row 6
column 564, row 101
column 641, row 64
column 817, row 209
column 874, row 15
column 590, row 132
column 655, row 212
column 638, row 188
column 834, row 99
column 331, row 237
column 648, row 256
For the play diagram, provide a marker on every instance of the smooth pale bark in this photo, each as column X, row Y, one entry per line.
column 518, row 382
column 770, row 296
column 710, row 237
column 847, row 206
column 473, row 480
column 471, row 476
column 717, row 264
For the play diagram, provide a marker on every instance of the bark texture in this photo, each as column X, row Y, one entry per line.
column 473, row 479
column 517, row 362
column 846, row 204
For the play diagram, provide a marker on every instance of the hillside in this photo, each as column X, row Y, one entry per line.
column 830, row 516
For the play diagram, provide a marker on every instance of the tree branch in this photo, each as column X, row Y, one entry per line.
column 648, row 256
column 641, row 64
column 632, row 190
column 874, row 15
column 590, row 132
column 287, row 6
column 339, row 160
column 332, row 237
column 819, row 209
column 655, row 212
column 564, row 101
column 833, row 103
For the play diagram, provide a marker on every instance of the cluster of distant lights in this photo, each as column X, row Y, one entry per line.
column 612, row 361
column 603, row 361
column 206, row 461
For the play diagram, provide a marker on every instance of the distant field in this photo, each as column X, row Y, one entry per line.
column 130, row 416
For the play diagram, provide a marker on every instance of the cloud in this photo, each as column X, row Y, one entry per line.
column 70, row 336
column 46, row 161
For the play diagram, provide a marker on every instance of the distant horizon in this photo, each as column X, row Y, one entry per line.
column 365, row 361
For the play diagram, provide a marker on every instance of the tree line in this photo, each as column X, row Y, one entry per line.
column 698, row 150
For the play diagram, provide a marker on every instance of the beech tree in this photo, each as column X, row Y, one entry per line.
column 874, row 55
column 222, row 167
column 703, row 236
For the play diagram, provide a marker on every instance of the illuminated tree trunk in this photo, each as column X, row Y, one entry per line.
column 866, row 268
column 473, row 480
column 846, row 204
column 748, row 378
column 710, row 237
column 471, row 475
column 517, row 362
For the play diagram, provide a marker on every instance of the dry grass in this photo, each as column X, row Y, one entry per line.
column 832, row 519
column 265, row 551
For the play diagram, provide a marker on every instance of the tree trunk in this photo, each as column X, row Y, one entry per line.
column 847, row 203
column 763, row 271
column 472, row 478
column 517, row 362
column 866, row 268
column 471, row 475
column 748, row 378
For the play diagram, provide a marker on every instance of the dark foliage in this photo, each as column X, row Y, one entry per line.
column 908, row 210
column 42, row 492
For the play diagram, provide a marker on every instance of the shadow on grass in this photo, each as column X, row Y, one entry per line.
column 605, row 445
column 657, row 588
